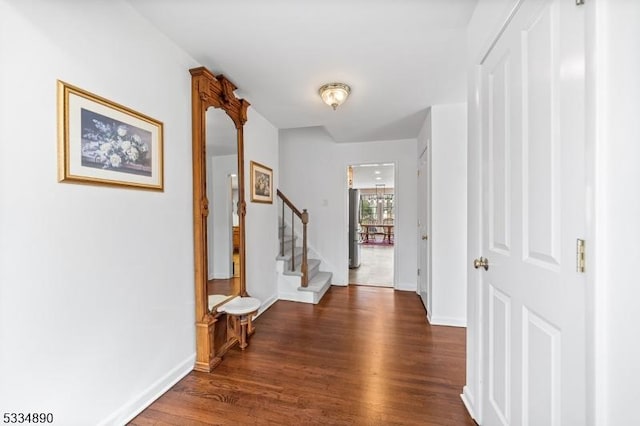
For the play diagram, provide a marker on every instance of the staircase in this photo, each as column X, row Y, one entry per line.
column 299, row 277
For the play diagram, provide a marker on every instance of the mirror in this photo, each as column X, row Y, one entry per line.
column 223, row 221
column 215, row 110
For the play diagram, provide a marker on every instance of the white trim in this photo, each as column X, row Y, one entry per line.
column 502, row 29
column 297, row 296
column 467, row 400
column 407, row 287
column 475, row 280
column 396, row 204
column 597, row 108
column 447, row 321
column 131, row 409
column 266, row 305
column 396, row 223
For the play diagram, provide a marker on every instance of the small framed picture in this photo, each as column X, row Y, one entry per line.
column 261, row 183
column 101, row 142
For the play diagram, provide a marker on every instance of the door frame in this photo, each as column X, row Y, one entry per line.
column 426, row 269
column 396, row 209
column 472, row 392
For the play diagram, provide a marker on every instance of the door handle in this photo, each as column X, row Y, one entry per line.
column 425, row 237
column 482, row 262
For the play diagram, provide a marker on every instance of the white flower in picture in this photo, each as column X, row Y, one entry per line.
column 115, row 160
column 108, row 144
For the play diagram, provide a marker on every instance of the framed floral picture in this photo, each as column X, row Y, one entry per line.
column 102, row 142
column 261, row 183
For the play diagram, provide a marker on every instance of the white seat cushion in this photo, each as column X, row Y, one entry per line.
column 240, row 306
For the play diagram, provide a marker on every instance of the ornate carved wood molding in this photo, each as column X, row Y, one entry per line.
column 217, row 92
column 209, row 91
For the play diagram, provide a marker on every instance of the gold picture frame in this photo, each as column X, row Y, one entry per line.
column 261, row 183
column 102, row 142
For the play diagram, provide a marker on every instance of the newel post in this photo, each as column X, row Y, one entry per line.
column 304, row 269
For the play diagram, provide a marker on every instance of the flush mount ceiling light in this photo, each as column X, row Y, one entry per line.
column 334, row 94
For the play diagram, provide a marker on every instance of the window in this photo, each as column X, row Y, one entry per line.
column 376, row 208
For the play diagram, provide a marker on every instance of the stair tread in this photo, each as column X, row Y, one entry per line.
column 321, row 277
column 318, row 282
column 311, row 263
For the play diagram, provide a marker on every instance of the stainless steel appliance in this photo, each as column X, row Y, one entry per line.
column 354, row 221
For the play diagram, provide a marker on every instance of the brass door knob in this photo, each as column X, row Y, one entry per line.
column 481, row 263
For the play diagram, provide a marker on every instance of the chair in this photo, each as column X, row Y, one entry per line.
column 367, row 230
column 362, row 233
column 388, row 230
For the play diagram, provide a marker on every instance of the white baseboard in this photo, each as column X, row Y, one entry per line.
column 467, row 400
column 134, row 407
column 298, row 296
column 267, row 304
column 448, row 321
column 406, row 287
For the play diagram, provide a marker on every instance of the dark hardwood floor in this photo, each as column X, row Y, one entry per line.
column 222, row 286
column 362, row 356
column 227, row 286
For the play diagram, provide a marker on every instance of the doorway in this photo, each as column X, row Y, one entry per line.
column 372, row 212
column 235, row 219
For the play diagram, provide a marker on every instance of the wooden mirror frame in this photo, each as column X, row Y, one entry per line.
column 207, row 90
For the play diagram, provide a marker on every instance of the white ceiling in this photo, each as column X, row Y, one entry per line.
column 399, row 57
column 372, row 174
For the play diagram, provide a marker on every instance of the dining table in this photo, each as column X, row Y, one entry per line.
column 370, row 230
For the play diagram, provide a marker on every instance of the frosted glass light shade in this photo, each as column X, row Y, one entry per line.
column 334, row 94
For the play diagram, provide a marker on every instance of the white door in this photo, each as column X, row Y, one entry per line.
column 424, row 228
column 533, row 198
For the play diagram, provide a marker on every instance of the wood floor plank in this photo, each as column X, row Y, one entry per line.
column 362, row 356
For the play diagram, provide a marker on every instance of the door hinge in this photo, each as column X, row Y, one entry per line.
column 580, row 255
column 418, row 271
column 579, row 2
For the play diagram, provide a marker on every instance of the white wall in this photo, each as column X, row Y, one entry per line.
column 220, row 221
column 314, row 176
column 96, row 283
column 261, row 145
column 613, row 103
column 446, row 127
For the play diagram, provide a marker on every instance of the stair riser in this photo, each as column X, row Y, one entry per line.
column 298, row 260
column 290, row 288
column 313, row 271
column 313, row 265
column 287, row 248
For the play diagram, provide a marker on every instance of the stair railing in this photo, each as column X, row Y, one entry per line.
column 304, row 219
